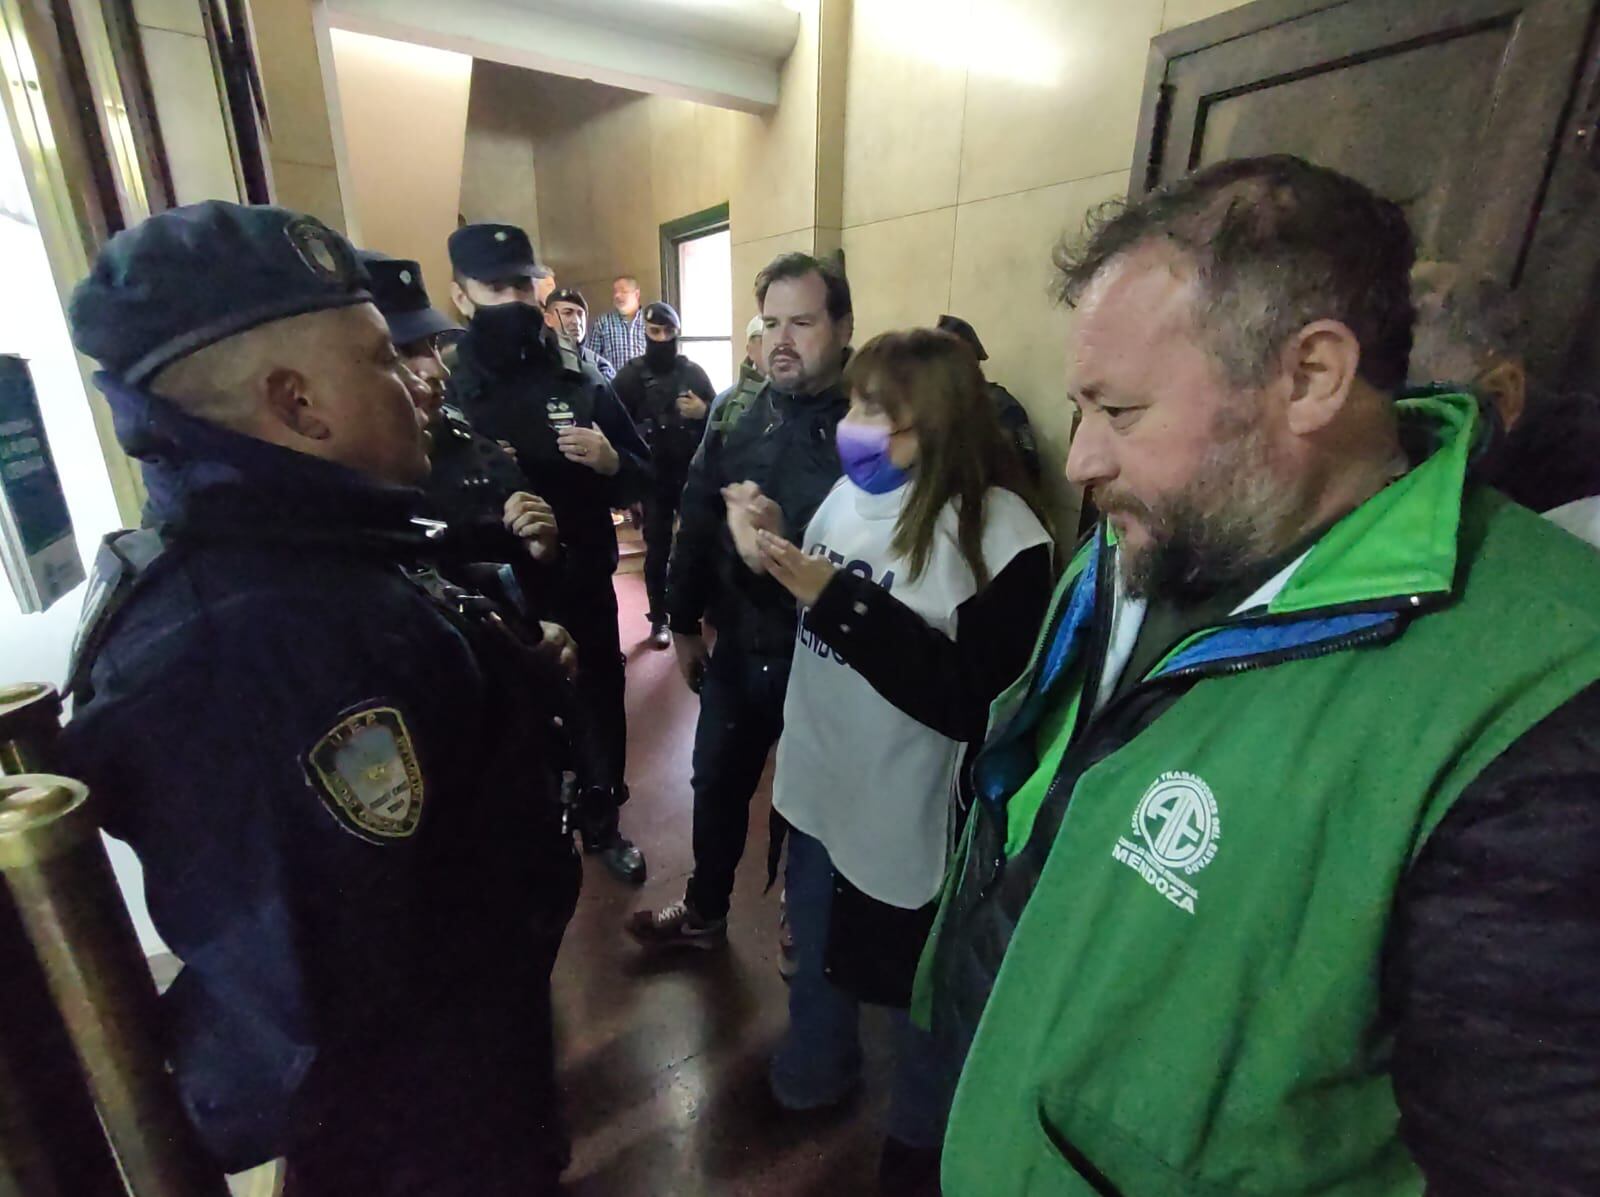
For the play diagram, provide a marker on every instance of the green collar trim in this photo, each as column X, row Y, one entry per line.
column 1402, row 542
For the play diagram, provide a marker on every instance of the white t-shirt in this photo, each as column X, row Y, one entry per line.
column 855, row 772
column 1581, row 518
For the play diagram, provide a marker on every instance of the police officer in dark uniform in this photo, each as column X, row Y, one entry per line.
column 520, row 381
column 1013, row 416
column 475, row 485
column 668, row 397
column 313, row 743
column 568, row 312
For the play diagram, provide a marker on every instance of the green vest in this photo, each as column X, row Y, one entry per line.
column 1189, row 1003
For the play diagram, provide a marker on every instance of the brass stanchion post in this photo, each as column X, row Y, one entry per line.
column 60, row 880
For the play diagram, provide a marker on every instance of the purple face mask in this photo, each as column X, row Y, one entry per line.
column 864, row 452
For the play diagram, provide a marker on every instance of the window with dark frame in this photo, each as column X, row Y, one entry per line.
column 696, row 279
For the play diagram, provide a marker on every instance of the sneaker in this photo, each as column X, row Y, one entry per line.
column 622, row 856
column 677, row 926
column 660, row 637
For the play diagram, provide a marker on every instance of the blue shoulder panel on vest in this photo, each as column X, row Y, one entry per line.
column 1010, row 758
column 1243, row 643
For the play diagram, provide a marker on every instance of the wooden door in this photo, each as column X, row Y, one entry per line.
column 1465, row 112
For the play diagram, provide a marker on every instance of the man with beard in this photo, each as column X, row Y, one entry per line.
column 521, row 382
column 1280, row 873
column 781, row 439
column 668, row 397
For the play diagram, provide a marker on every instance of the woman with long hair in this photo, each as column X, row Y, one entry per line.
column 922, row 580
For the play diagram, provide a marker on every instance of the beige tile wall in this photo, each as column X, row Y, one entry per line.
column 609, row 167
column 402, row 160
column 188, row 103
column 305, row 175
column 978, row 133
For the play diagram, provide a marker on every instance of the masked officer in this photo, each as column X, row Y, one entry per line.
column 313, row 743
column 522, row 382
column 568, row 313
column 1013, row 416
column 668, row 397
column 475, row 485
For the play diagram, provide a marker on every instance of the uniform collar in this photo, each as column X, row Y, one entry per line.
column 196, row 472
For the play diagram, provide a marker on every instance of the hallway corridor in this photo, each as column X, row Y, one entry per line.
column 663, row 1062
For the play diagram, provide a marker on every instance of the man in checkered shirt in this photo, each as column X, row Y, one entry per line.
column 618, row 336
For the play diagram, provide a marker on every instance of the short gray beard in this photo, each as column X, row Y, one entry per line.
column 1231, row 518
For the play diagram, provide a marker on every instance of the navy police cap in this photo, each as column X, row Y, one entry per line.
column 192, row 276
column 569, row 295
column 491, row 252
column 398, row 291
column 661, row 312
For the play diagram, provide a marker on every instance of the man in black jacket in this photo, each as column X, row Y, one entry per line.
column 519, row 381
column 782, row 439
column 668, row 397
column 329, row 761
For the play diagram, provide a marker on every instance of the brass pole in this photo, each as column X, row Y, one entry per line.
column 51, row 1141
column 57, row 872
column 30, row 717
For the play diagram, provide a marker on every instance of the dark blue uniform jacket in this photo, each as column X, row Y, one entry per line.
column 323, row 965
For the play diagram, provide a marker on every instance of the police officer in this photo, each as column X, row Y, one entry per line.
column 668, row 397
column 1013, row 416
column 475, row 485
column 568, row 313
column 312, row 742
column 781, row 437
column 520, row 381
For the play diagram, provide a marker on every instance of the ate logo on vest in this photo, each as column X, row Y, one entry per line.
column 1176, row 829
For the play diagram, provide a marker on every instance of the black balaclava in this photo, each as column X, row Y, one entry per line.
column 659, row 356
column 503, row 334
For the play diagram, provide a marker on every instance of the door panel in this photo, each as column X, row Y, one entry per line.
column 1462, row 111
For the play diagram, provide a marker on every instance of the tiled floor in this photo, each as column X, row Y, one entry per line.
column 663, row 1065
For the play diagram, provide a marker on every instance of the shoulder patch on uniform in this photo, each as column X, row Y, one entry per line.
column 365, row 771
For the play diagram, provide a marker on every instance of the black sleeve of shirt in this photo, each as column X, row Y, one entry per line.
column 702, row 514
column 629, row 386
column 1492, row 974
column 632, row 478
column 942, row 683
column 700, row 382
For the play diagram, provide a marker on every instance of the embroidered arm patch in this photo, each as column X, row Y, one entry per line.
column 366, row 773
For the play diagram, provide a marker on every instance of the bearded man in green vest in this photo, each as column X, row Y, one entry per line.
column 1282, row 874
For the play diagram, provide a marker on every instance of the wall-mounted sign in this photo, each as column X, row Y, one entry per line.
column 37, row 546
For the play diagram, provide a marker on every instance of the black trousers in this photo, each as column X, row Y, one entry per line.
column 661, row 506
column 741, row 717
column 587, row 607
column 470, row 1106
